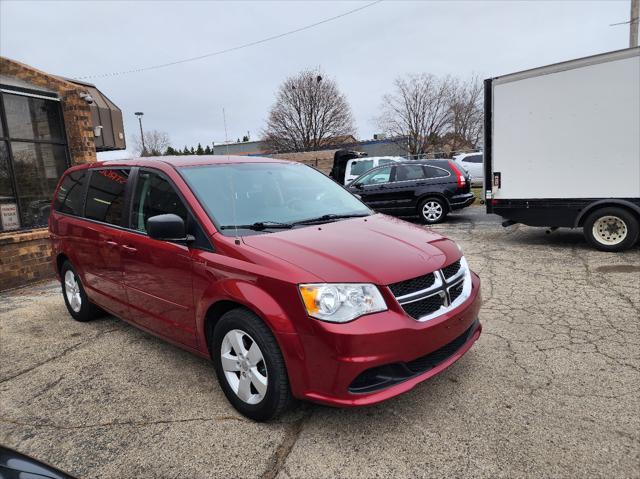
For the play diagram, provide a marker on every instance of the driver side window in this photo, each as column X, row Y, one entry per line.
column 381, row 175
column 154, row 196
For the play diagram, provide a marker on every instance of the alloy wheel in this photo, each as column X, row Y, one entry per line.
column 72, row 290
column 432, row 211
column 609, row 230
column 244, row 366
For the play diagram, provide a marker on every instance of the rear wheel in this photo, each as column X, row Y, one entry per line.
column 250, row 366
column 75, row 297
column 432, row 210
column 611, row 229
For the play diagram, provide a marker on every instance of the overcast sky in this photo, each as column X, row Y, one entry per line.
column 363, row 51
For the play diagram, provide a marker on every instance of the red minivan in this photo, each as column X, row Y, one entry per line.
column 291, row 285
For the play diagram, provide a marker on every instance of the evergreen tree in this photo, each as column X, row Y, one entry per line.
column 199, row 150
column 170, row 151
column 185, row 151
column 192, row 151
column 207, row 150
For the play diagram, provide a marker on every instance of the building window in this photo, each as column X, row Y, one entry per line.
column 33, row 156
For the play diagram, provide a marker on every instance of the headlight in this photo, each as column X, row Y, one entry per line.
column 339, row 303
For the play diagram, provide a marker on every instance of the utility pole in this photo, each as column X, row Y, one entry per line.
column 633, row 24
column 139, row 115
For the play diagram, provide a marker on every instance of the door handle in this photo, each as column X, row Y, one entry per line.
column 111, row 243
column 129, row 249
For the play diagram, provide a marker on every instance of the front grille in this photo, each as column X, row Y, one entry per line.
column 455, row 291
column 423, row 307
column 451, row 270
column 429, row 295
column 412, row 285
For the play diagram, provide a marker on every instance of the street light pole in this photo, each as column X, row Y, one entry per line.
column 139, row 115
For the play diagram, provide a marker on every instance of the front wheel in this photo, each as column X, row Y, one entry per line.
column 432, row 210
column 250, row 366
column 611, row 229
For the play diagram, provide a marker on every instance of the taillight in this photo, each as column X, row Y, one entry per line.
column 460, row 177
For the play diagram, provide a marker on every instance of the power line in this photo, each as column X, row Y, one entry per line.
column 228, row 50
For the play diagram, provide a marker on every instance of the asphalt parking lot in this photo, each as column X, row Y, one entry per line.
column 551, row 389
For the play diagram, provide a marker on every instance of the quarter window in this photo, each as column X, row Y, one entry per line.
column 432, row 172
column 105, row 195
column 70, row 197
column 154, row 195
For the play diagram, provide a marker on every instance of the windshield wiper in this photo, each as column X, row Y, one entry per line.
column 259, row 226
column 329, row 217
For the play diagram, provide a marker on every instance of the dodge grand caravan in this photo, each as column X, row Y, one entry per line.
column 287, row 282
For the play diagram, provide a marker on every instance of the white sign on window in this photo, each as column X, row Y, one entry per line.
column 9, row 216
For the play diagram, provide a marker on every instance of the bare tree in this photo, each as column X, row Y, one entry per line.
column 418, row 110
column 309, row 110
column 466, row 111
column 155, row 142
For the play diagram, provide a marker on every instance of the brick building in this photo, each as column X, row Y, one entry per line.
column 47, row 123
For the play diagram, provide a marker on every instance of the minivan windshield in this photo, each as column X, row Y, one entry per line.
column 269, row 196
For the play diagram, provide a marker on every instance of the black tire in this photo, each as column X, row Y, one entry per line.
column 278, row 394
column 429, row 219
column 87, row 310
column 599, row 235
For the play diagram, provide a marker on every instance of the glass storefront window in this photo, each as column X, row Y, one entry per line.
column 8, row 208
column 30, row 118
column 37, row 168
column 33, row 156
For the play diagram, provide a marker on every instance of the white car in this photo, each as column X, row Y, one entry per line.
column 358, row 166
column 473, row 163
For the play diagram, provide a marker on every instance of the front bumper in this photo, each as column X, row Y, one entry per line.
column 461, row 201
column 388, row 345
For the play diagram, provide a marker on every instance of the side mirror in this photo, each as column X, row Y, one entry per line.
column 359, row 186
column 167, row 227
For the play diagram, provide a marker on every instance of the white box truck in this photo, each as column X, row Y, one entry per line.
column 562, row 147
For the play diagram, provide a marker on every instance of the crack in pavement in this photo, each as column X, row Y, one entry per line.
column 124, row 423
column 291, row 435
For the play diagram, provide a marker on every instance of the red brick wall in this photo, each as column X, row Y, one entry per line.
column 24, row 257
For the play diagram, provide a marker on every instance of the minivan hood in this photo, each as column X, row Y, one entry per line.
column 377, row 249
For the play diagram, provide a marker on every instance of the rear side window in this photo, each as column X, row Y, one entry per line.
column 105, row 195
column 433, row 172
column 409, row 172
column 154, row 195
column 70, row 199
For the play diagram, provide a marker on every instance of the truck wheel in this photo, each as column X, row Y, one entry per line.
column 432, row 210
column 250, row 366
column 611, row 229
